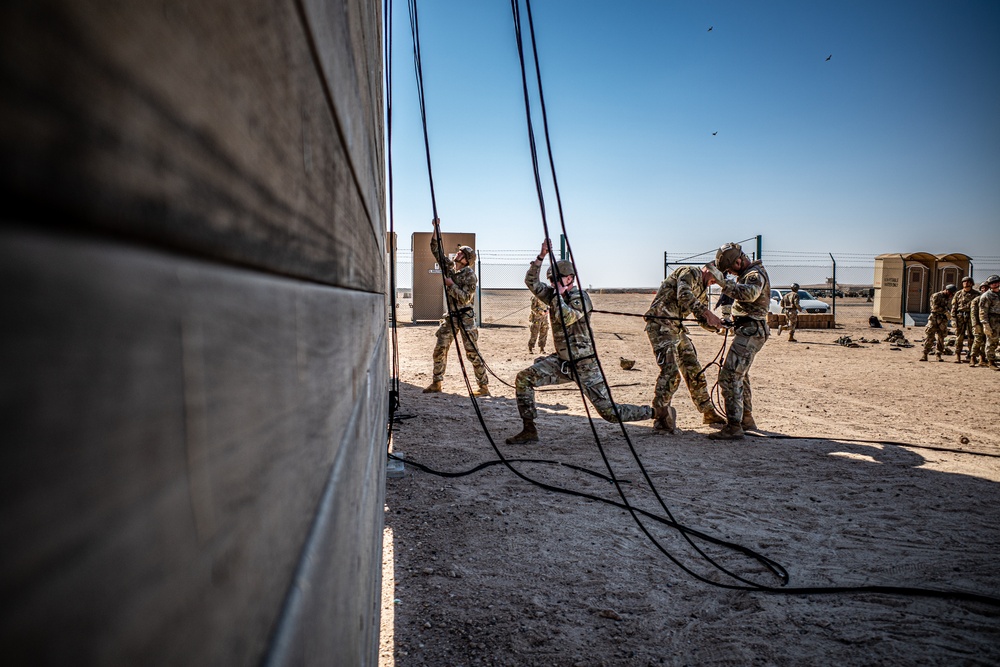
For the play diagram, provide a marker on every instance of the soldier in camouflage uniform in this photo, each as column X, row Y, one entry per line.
column 977, row 354
column 460, row 287
column 937, row 323
column 574, row 359
column 538, row 322
column 989, row 314
column 791, row 307
column 960, row 313
column 683, row 293
column 751, row 291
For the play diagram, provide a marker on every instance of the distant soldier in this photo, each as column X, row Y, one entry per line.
column 937, row 322
column 977, row 355
column 538, row 322
column 574, row 359
column 683, row 293
column 960, row 313
column 989, row 314
column 791, row 307
column 460, row 285
column 751, row 291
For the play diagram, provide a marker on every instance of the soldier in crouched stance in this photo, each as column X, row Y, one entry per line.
column 574, row 359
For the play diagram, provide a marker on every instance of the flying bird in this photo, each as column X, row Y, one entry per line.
column 829, row 56
column 715, row 133
column 710, row 28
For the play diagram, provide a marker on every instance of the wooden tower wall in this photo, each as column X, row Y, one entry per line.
column 193, row 342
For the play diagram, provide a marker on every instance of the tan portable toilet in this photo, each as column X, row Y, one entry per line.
column 951, row 268
column 428, row 285
column 904, row 283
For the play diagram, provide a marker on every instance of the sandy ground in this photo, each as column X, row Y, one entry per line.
column 490, row 569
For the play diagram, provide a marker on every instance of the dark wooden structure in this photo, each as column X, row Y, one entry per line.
column 193, row 343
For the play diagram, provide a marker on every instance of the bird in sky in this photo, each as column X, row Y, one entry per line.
column 829, row 56
column 715, row 133
column 710, row 28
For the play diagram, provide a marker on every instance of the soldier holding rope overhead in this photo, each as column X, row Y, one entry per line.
column 574, row 360
column 460, row 285
column 751, row 292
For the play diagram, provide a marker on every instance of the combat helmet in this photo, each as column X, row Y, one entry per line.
column 470, row 254
column 795, row 287
column 968, row 279
column 993, row 279
column 950, row 287
column 727, row 255
column 565, row 268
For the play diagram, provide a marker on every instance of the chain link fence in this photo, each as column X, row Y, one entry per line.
column 844, row 281
column 504, row 299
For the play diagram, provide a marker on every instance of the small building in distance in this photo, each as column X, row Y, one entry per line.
column 904, row 283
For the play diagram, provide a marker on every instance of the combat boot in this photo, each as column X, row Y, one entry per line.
column 665, row 419
column 531, row 349
column 748, row 424
column 712, row 417
column 727, row 432
column 527, row 434
column 433, row 387
column 484, row 390
column 791, row 338
column 939, row 357
column 923, row 357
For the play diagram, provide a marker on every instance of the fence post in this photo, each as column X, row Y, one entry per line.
column 479, row 291
column 562, row 246
column 760, row 251
column 666, row 265
column 834, row 289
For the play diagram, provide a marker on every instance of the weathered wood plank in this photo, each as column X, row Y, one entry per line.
column 169, row 429
column 204, row 127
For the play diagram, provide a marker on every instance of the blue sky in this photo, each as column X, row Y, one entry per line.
column 893, row 145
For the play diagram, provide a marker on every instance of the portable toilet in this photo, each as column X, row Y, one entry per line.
column 904, row 283
column 428, row 285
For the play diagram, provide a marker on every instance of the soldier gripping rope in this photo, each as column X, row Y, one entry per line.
column 751, row 291
column 538, row 323
column 989, row 314
column 460, row 285
column 791, row 307
column 937, row 323
column 977, row 355
column 960, row 313
column 683, row 293
column 574, row 359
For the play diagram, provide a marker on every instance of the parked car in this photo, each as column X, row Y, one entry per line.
column 809, row 303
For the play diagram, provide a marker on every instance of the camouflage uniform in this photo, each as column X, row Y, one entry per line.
column 569, row 310
column 790, row 306
column 978, row 351
column 681, row 294
column 989, row 315
column 460, row 297
column 960, row 313
column 752, row 293
column 538, row 321
column 937, row 323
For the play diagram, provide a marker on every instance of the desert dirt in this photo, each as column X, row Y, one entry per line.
column 490, row 569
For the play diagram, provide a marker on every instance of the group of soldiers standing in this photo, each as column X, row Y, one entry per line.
column 558, row 301
column 976, row 314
